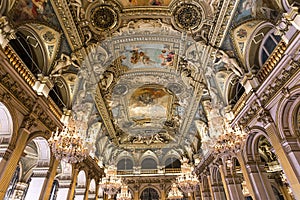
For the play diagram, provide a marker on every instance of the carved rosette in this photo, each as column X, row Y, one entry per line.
column 102, row 18
column 187, row 17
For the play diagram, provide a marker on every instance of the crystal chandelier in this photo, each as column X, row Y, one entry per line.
column 231, row 140
column 68, row 145
column 124, row 194
column 110, row 184
column 175, row 193
column 187, row 181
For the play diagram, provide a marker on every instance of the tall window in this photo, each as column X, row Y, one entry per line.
column 54, row 190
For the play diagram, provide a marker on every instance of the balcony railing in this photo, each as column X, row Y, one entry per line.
column 150, row 171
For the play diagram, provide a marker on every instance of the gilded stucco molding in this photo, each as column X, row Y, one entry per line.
column 69, row 27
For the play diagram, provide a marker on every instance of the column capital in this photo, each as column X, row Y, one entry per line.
column 28, row 123
column 265, row 117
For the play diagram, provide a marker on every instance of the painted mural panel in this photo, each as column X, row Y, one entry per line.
column 34, row 10
column 248, row 9
column 133, row 3
column 148, row 56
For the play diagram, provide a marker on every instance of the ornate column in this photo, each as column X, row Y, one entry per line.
column 97, row 190
column 245, row 173
column 47, row 186
column 225, row 186
column 204, row 191
column 218, row 190
column 210, row 187
column 136, row 192
column 232, row 184
column 162, row 192
column 71, row 192
column 234, row 188
column 87, row 187
column 261, row 186
column 11, row 164
column 287, row 151
column 6, row 31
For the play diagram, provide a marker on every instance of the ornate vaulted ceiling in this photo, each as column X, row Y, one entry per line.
column 148, row 79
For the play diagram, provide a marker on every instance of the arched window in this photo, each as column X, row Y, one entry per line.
column 172, row 163
column 125, row 164
column 235, row 92
column 149, row 163
column 268, row 45
column 27, row 52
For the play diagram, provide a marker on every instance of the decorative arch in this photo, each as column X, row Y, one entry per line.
column 149, row 154
column 152, row 191
column 215, row 175
column 148, row 163
column 171, row 154
column 10, row 113
column 247, row 39
column 6, row 128
column 288, row 108
column 233, row 90
column 60, row 93
column 43, row 150
column 251, row 143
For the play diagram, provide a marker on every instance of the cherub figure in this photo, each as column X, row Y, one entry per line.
column 229, row 63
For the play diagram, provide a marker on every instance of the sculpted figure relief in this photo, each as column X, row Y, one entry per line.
column 229, row 63
column 63, row 64
column 6, row 31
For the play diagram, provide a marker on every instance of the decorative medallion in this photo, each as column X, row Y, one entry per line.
column 188, row 16
column 103, row 18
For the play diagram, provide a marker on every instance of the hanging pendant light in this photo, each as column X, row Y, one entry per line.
column 175, row 193
column 68, row 145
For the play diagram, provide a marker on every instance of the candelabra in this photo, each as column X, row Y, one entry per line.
column 175, row 193
column 68, row 145
column 124, row 194
column 110, row 183
column 231, row 140
column 187, row 182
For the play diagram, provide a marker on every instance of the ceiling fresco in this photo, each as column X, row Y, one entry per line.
column 136, row 3
column 150, row 76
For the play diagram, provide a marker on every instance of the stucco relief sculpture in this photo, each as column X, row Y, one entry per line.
column 229, row 63
column 63, row 64
column 6, row 31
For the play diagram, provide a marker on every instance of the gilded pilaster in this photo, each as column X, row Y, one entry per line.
column 288, row 157
column 87, row 187
column 258, row 177
column 222, row 172
column 245, row 173
column 97, row 191
column 12, row 162
column 71, row 192
column 46, row 190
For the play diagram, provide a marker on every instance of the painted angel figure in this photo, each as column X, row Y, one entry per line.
column 229, row 63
